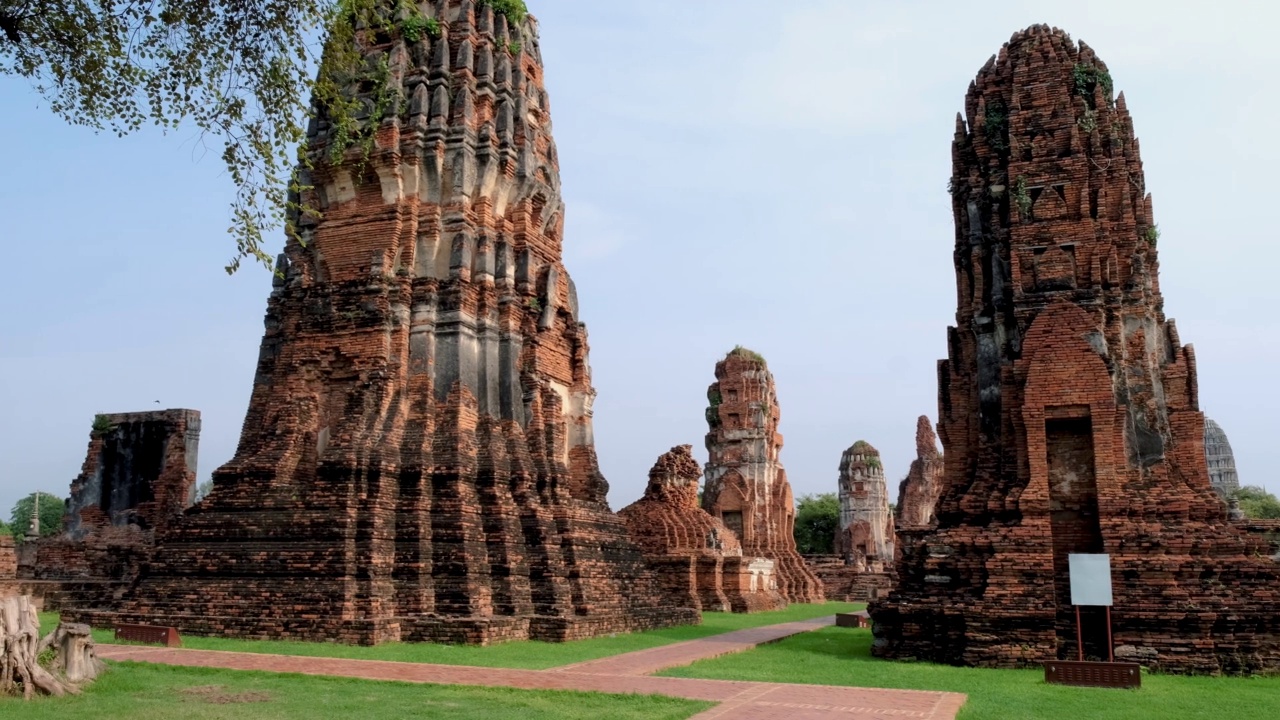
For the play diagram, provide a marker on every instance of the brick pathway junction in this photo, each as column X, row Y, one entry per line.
column 626, row 673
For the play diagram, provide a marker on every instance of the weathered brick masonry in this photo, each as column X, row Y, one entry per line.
column 746, row 486
column 417, row 461
column 138, row 476
column 698, row 561
column 918, row 493
column 1068, row 406
column 865, row 537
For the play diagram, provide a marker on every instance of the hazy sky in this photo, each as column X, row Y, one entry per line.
column 770, row 174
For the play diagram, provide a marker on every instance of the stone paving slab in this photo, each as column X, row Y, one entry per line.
column 647, row 662
column 738, row 700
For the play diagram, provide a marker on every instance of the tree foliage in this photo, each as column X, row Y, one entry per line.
column 51, row 510
column 246, row 74
column 1257, row 503
column 817, row 520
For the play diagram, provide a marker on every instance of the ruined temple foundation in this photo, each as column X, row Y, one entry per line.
column 746, row 485
column 1068, row 406
column 698, row 561
column 138, row 476
column 417, row 460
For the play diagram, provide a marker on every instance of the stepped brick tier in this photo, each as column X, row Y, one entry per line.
column 417, row 461
column 746, row 486
column 918, row 493
column 1220, row 459
column 865, row 536
column 849, row 583
column 698, row 560
column 1068, row 406
column 138, row 476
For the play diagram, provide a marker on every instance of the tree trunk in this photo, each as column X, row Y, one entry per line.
column 76, row 657
column 20, row 668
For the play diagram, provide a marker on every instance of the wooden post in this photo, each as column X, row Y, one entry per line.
column 1079, row 640
column 1110, row 654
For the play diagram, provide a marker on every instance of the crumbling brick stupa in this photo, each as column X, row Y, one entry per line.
column 746, row 486
column 138, row 476
column 417, row 460
column 918, row 493
column 1220, row 459
column 1068, row 405
column 866, row 535
column 698, row 561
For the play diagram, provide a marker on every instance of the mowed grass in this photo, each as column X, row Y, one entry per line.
column 160, row 692
column 842, row 656
column 529, row 655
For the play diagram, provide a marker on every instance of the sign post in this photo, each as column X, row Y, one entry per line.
column 1090, row 576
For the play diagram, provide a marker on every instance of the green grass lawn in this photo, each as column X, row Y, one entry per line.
column 842, row 656
column 159, row 692
column 531, row 655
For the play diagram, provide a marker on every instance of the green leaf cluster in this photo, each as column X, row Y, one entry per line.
column 514, row 10
column 246, row 75
column 817, row 520
column 1087, row 77
column 1257, row 503
column 51, row 509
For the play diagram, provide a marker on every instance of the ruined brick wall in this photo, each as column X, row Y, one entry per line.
column 1220, row 459
column 746, row 486
column 918, row 493
column 8, row 558
column 865, row 537
column 690, row 550
column 140, row 470
column 417, row 460
column 847, row 582
column 1068, row 405
column 139, row 474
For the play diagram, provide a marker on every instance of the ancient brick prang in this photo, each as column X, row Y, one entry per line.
column 865, row 537
column 918, row 493
column 698, row 561
column 417, row 460
column 138, row 476
column 1220, row 459
column 746, row 486
column 1068, row 405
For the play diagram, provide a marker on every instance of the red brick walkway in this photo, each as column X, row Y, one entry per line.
column 619, row 674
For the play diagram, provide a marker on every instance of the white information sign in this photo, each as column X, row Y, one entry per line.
column 1090, row 578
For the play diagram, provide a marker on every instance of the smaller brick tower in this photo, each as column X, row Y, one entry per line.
column 865, row 537
column 746, row 487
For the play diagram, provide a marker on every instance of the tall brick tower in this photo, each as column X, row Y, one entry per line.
column 746, row 486
column 865, row 535
column 417, row 461
column 1068, row 406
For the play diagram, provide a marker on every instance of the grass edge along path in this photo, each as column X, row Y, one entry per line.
column 521, row 654
column 842, row 656
column 165, row 692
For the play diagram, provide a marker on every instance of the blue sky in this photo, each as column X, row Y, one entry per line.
column 735, row 172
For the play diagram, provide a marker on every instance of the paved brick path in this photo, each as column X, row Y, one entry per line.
column 625, row 673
